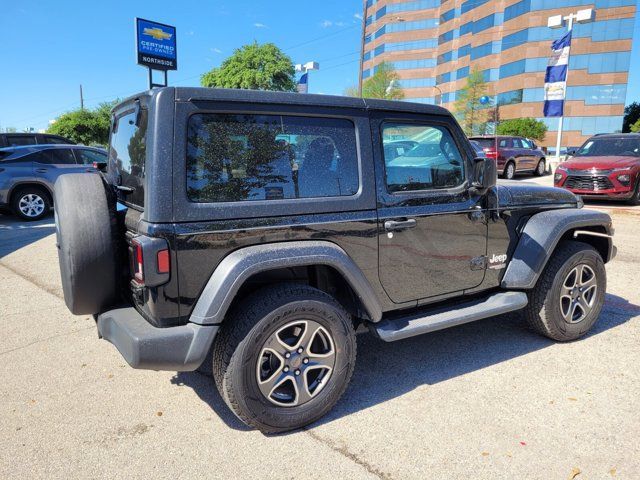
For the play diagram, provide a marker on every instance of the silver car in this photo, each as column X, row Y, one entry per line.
column 27, row 174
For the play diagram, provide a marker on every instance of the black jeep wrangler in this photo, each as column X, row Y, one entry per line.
column 250, row 233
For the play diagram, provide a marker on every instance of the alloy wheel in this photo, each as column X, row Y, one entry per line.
column 578, row 293
column 295, row 363
column 511, row 171
column 31, row 205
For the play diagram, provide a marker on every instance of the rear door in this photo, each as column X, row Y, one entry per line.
column 53, row 162
column 432, row 230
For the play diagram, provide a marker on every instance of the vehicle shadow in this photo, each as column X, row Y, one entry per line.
column 15, row 233
column 388, row 370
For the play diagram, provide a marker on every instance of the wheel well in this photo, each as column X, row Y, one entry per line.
column 322, row 277
column 601, row 244
column 39, row 186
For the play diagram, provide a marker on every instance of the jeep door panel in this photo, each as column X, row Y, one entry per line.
column 444, row 230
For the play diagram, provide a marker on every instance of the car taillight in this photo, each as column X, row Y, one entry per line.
column 150, row 261
column 137, row 263
column 162, row 258
column 490, row 153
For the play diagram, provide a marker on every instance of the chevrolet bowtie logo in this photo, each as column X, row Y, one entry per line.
column 157, row 33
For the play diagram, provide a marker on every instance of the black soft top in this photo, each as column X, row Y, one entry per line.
column 185, row 94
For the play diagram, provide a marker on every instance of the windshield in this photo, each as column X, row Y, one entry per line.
column 486, row 142
column 610, row 147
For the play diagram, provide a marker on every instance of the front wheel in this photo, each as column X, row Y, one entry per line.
column 284, row 357
column 568, row 298
column 635, row 200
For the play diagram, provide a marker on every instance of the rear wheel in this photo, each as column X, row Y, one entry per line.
column 568, row 298
column 31, row 203
column 284, row 357
column 541, row 168
column 509, row 170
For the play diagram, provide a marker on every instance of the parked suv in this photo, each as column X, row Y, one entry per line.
column 19, row 139
column 27, row 175
column 606, row 166
column 514, row 155
column 248, row 234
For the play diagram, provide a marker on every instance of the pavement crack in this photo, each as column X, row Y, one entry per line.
column 45, row 339
column 33, row 281
column 344, row 451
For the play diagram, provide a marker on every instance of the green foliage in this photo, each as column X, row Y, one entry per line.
column 382, row 84
column 351, row 91
column 85, row 126
column 636, row 126
column 257, row 67
column 471, row 114
column 631, row 116
column 523, row 127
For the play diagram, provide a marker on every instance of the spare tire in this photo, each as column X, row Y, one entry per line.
column 86, row 230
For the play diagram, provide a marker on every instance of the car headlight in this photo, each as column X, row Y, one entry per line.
column 557, row 177
column 624, row 178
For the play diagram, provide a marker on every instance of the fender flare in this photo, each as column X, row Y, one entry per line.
column 539, row 238
column 241, row 264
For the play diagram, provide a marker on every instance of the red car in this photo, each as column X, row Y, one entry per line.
column 606, row 166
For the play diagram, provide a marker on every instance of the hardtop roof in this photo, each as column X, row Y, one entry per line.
column 184, row 94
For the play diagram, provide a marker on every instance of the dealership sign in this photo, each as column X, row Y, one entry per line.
column 156, row 45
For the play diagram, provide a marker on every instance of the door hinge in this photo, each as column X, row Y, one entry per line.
column 479, row 263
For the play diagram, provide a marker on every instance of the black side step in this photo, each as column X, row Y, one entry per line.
column 443, row 317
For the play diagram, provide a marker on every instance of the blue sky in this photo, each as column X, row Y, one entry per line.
column 50, row 47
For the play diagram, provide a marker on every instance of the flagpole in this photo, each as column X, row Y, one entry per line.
column 566, row 86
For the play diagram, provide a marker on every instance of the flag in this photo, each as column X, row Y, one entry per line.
column 303, row 83
column 555, row 79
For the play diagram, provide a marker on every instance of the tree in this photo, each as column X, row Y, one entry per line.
column 523, row 127
column 471, row 113
column 85, row 126
column 631, row 116
column 257, row 67
column 351, row 91
column 636, row 127
column 383, row 84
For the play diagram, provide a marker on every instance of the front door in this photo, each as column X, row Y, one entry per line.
column 432, row 227
column 53, row 162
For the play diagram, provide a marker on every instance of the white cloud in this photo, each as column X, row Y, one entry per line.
column 332, row 23
column 216, row 50
column 259, row 25
column 357, row 16
column 190, row 32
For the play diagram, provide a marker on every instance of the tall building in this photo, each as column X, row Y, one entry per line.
column 433, row 44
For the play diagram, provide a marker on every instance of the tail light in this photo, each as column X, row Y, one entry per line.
column 150, row 261
column 490, row 153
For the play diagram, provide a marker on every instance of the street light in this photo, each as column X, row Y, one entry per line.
column 303, row 83
column 557, row 21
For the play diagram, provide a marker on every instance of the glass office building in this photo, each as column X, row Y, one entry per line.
column 434, row 44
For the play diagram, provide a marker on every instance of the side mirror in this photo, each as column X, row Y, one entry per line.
column 571, row 151
column 485, row 173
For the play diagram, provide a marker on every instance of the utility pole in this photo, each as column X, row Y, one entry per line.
column 81, row 99
column 364, row 28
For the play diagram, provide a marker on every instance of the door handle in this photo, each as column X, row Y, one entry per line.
column 42, row 170
column 395, row 225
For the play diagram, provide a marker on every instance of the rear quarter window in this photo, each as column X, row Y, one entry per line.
column 245, row 157
column 127, row 152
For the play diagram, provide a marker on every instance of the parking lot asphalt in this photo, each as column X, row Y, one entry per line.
column 484, row 400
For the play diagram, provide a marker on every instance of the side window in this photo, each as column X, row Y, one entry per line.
column 432, row 162
column 504, row 143
column 87, row 157
column 517, row 143
column 526, row 143
column 55, row 140
column 242, row 157
column 57, row 156
column 17, row 140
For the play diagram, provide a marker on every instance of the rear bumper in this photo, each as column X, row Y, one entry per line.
column 144, row 346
